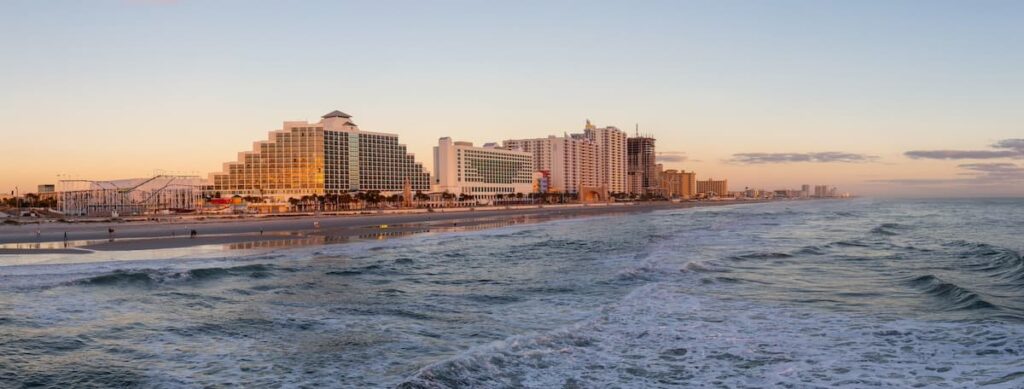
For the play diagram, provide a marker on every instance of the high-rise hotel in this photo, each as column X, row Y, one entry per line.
column 331, row 156
column 484, row 172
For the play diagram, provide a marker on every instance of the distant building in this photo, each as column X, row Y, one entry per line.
column 821, row 191
column 541, row 181
column 47, row 188
column 711, row 188
column 678, row 183
column 641, row 171
column 570, row 160
column 484, row 172
column 611, row 156
column 805, row 191
column 332, row 156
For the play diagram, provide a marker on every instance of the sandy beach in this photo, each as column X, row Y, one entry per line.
column 276, row 231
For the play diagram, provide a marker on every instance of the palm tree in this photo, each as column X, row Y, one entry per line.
column 447, row 196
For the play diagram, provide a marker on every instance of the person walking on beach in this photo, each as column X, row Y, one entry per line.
column 110, row 234
column 192, row 234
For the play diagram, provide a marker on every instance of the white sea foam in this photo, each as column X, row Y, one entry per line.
column 659, row 336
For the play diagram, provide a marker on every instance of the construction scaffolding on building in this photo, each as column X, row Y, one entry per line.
column 135, row 196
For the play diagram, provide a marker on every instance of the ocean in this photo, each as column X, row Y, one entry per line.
column 854, row 293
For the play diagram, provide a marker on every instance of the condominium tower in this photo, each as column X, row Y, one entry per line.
column 331, row 156
column 611, row 156
column 678, row 183
column 485, row 172
column 571, row 160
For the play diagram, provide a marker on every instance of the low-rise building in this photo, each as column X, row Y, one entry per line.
column 482, row 172
column 713, row 188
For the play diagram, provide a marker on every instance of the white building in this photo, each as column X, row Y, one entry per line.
column 611, row 156
column 571, row 161
column 483, row 172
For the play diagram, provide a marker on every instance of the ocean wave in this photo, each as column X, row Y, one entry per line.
column 888, row 229
column 150, row 277
column 953, row 297
column 661, row 336
column 1000, row 263
column 761, row 255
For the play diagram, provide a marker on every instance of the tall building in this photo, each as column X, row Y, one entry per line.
column 678, row 183
column 461, row 168
column 712, row 187
column 331, row 156
column 570, row 160
column 805, row 191
column 642, row 170
column 611, row 156
column 821, row 191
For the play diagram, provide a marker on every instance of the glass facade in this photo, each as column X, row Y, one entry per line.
column 305, row 159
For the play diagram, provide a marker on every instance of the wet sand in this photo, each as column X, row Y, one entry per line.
column 280, row 231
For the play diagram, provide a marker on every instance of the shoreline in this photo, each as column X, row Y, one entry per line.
column 284, row 231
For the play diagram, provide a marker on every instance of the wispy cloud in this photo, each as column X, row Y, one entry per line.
column 999, row 173
column 995, row 172
column 672, row 156
column 823, row 157
column 1007, row 148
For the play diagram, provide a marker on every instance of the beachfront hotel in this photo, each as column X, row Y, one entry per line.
column 571, row 160
column 678, row 183
column 482, row 172
column 332, row 156
column 711, row 188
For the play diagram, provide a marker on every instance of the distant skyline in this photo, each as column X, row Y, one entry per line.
column 874, row 97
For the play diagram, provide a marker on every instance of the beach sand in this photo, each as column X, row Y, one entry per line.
column 280, row 231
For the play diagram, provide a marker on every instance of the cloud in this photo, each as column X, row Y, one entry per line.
column 1007, row 148
column 1012, row 144
column 672, row 156
column 999, row 173
column 823, row 157
column 958, row 154
column 994, row 172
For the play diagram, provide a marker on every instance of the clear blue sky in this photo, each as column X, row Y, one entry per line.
column 112, row 89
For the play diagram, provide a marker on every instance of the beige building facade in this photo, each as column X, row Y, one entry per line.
column 711, row 187
column 570, row 160
column 611, row 156
column 678, row 184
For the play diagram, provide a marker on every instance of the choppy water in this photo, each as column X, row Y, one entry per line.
column 808, row 294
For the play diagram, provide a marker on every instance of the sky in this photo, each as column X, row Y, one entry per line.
column 878, row 98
